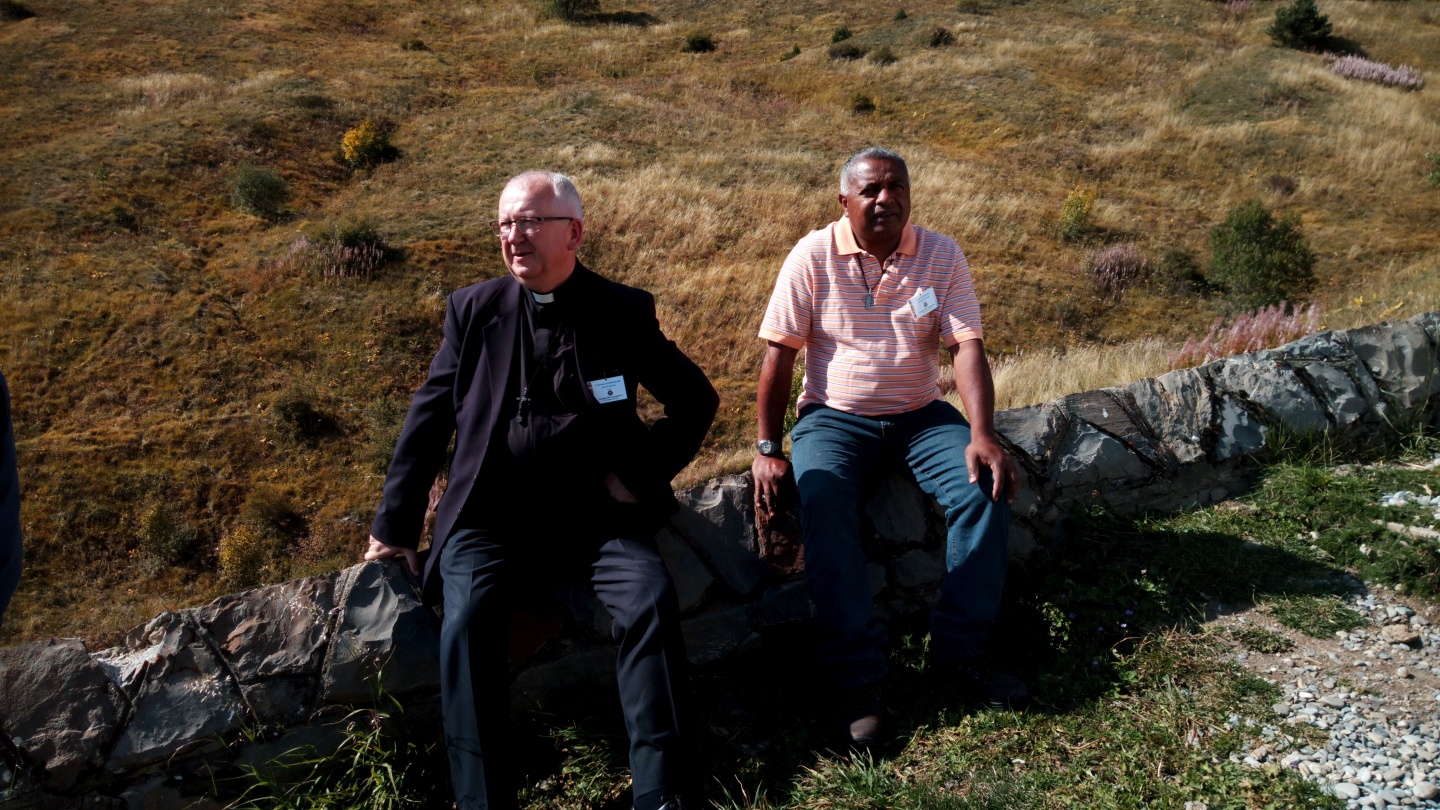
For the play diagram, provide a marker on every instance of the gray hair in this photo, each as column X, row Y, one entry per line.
column 563, row 187
column 847, row 173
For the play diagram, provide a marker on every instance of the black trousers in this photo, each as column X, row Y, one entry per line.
column 481, row 570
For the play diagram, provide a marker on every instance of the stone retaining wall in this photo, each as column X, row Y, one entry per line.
column 293, row 656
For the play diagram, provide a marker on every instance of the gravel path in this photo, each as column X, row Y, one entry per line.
column 1360, row 713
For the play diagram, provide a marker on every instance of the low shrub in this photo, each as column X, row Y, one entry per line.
column 296, row 420
column 166, row 539
column 940, row 36
column 839, row 35
column 1300, row 25
column 883, row 56
column 1259, row 260
column 846, row 50
column 1434, row 176
column 269, row 510
column 1367, row 70
column 1235, row 9
column 259, row 192
column 793, row 52
column 366, row 145
column 1179, row 274
column 350, row 248
column 1265, row 328
column 1075, row 214
column 414, row 45
column 1114, row 269
column 571, row 9
column 245, row 556
column 11, row 10
column 900, row 15
column 862, row 104
column 699, row 43
column 1279, row 184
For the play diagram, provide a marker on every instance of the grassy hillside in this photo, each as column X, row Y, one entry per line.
column 188, row 397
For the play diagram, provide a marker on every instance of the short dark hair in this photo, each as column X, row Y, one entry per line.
column 869, row 153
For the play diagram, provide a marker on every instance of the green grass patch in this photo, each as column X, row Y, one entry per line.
column 1260, row 640
column 1316, row 616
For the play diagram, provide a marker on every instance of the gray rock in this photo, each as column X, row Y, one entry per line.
column 715, row 634
column 718, row 519
column 538, row 686
column 385, row 640
column 1110, row 411
column 897, row 510
column 1094, row 456
column 275, row 632
column 691, row 576
column 1022, row 541
column 1033, row 431
column 786, row 603
column 1342, row 397
column 1238, row 433
column 1400, row 634
column 58, row 706
column 279, row 630
column 1272, row 386
column 1401, row 359
column 919, row 569
column 1425, row 791
column 182, row 694
column 1179, row 409
column 1345, row 790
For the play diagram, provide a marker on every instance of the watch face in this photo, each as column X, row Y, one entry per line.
column 766, row 447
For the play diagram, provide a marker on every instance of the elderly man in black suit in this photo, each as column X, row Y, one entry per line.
column 553, row 469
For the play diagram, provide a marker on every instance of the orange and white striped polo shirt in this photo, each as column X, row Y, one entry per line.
column 880, row 360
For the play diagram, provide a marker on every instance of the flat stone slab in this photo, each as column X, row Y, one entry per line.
column 1109, row 411
column 1274, row 388
column 1093, row 456
column 897, row 510
column 275, row 634
column 184, row 699
column 1034, row 431
column 1179, row 408
column 718, row 519
column 1401, row 359
column 385, row 639
column 715, row 634
column 59, row 707
column 691, row 576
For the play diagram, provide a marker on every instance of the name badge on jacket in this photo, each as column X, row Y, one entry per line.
column 610, row 389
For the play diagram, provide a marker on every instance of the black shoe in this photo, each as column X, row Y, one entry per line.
column 981, row 681
column 863, row 715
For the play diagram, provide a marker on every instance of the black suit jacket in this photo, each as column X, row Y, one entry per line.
column 617, row 335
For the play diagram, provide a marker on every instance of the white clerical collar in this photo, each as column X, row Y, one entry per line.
column 543, row 298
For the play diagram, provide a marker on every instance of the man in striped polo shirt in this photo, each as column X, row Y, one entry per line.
column 871, row 298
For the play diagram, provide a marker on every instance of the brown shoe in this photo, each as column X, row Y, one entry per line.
column 864, row 715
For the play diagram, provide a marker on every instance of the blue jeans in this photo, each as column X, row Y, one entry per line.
column 834, row 454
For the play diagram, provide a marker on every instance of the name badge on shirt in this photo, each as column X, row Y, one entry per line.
column 923, row 303
column 610, row 389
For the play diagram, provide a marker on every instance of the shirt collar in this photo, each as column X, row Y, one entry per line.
column 846, row 245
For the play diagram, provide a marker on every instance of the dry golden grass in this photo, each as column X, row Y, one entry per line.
column 1042, row 375
column 148, row 331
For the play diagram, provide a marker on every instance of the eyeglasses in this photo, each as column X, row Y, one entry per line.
column 528, row 226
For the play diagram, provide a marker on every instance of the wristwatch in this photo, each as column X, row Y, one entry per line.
column 765, row 447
